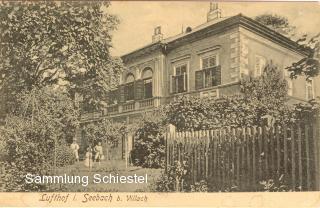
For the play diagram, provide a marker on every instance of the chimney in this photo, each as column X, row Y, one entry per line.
column 157, row 36
column 214, row 12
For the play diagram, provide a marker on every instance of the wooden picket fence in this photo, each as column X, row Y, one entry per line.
column 234, row 159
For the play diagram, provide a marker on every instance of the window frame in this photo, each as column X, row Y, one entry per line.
column 127, row 88
column 208, row 55
column 144, row 87
column 177, row 65
column 260, row 67
column 147, row 78
column 310, row 84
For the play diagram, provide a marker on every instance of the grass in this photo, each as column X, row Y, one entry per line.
column 105, row 168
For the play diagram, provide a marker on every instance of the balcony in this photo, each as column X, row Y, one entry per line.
column 130, row 106
column 120, row 108
column 113, row 109
column 147, row 103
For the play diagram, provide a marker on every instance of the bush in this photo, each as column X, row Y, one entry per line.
column 64, row 156
column 149, row 144
column 176, row 179
column 278, row 185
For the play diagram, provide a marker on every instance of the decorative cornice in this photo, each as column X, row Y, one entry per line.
column 180, row 58
column 208, row 49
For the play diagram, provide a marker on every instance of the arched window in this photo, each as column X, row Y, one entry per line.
column 147, row 83
column 129, row 87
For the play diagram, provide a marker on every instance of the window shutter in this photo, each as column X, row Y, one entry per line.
column 122, row 97
column 199, row 79
column 139, row 90
column 172, row 84
column 185, row 81
column 218, row 75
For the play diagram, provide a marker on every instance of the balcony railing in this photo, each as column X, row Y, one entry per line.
column 147, row 103
column 128, row 106
column 113, row 109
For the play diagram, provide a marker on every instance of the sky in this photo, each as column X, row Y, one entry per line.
column 139, row 18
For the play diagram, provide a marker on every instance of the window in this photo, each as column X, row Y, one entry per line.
column 129, row 88
column 289, row 82
column 180, row 81
column 113, row 97
column 260, row 63
column 208, row 65
column 147, row 83
column 209, row 62
column 147, row 88
column 309, row 90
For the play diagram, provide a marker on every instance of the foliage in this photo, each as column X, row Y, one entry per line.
column 29, row 149
column 64, row 156
column 267, row 94
column 41, row 119
column 305, row 112
column 64, row 43
column 176, row 179
column 278, row 23
column 308, row 66
column 149, row 149
column 278, row 185
column 104, row 130
column 171, row 180
column 51, row 107
column 201, row 186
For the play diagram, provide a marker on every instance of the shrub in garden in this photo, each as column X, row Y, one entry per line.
column 29, row 150
column 64, row 156
column 177, row 179
column 278, row 185
column 29, row 134
column 149, row 144
column 104, row 130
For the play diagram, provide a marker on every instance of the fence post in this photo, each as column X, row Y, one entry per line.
column 171, row 130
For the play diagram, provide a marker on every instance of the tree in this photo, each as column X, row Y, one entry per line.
column 308, row 66
column 42, row 120
column 267, row 93
column 104, row 130
column 277, row 23
column 57, row 43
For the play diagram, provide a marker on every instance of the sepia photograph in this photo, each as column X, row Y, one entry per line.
column 102, row 97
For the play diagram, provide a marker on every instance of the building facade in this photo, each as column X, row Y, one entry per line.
column 208, row 60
